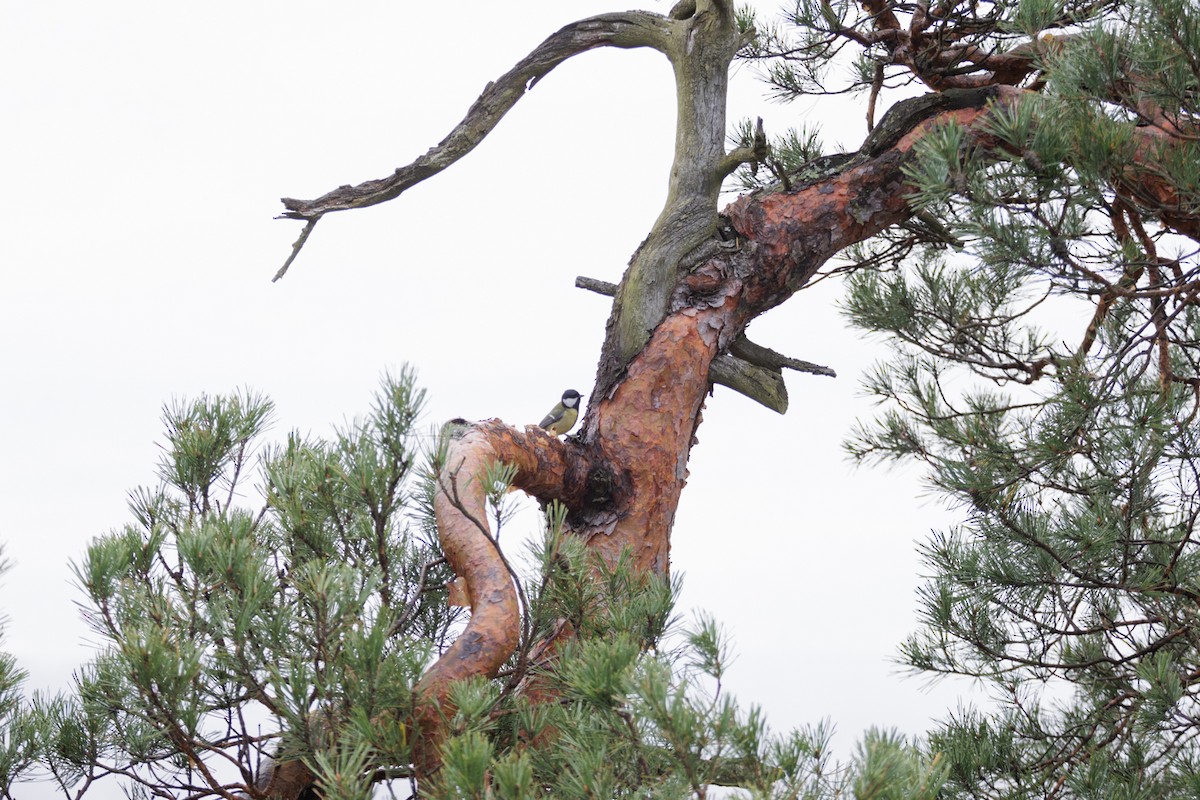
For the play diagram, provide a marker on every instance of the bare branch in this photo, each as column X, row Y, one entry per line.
column 627, row 30
column 763, row 385
column 296, row 246
column 596, row 285
column 876, row 87
column 747, row 350
column 754, row 153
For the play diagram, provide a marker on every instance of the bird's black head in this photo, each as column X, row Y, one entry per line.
column 570, row 398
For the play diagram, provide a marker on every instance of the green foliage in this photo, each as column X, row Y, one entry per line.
column 21, row 728
column 633, row 720
column 238, row 635
column 638, row 710
column 1045, row 374
column 235, row 639
column 889, row 770
column 807, row 50
column 790, row 153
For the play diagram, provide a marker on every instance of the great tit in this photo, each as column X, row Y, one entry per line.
column 562, row 417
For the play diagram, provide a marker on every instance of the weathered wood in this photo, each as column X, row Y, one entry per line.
column 629, row 29
column 761, row 356
column 679, row 313
column 763, row 385
column 749, row 369
column 701, row 47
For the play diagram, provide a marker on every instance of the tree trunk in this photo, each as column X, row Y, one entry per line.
column 690, row 291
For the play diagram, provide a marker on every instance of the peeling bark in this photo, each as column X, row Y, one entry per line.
column 641, row 435
column 683, row 303
column 286, row 779
column 546, row 468
column 1153, row 189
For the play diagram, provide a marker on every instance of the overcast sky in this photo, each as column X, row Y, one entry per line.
column 146, row 145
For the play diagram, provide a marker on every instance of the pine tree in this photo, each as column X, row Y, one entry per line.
column 260, row 648
column 20, row 734
column 1025, row 230
column 1045, row 371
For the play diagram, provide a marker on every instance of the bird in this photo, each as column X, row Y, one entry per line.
column 562, row 417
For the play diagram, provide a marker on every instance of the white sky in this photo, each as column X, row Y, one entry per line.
column 146, row 145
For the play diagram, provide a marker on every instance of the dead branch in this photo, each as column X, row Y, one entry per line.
column 626, row 30
column 749, row 369
column 747, row 350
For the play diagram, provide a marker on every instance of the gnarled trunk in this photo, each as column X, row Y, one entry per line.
column 678, row 317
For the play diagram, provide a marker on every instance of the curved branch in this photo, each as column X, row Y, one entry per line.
column 865, row 194
column 791, row 234
column 626, row 30
column 548, row 469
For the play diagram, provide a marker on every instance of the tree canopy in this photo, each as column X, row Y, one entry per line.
column 1021, row 219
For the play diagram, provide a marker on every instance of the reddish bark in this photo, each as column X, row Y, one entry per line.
column 545, row 468
column 1150, row 187
column 623, row 478
column 645, row 432
column 623, row 475
column 285, row 779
